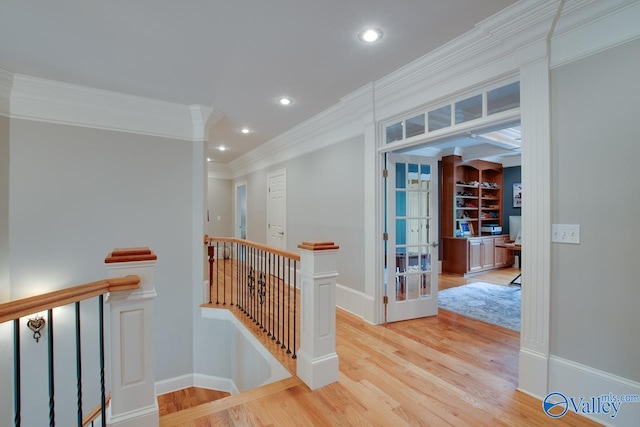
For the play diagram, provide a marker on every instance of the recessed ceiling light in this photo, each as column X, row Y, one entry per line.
column 284, row 101
column 209, row 159
column 370, row 35
column 245, row 130
column 222, row 148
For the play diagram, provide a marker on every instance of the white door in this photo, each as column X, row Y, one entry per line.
column 277, row 209
column 411, row 285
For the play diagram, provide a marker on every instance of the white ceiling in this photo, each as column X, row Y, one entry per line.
column 238, row 56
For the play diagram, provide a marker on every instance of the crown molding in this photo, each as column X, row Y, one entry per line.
column 593, row 28
column 219, row 171
column 56, row 102
column 6, row 83
column 338, row 123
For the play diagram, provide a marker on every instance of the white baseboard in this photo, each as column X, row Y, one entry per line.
column 531, row 379
column 195, row 380
column 173, row 384
column 214, row 383
column 577, row 380
column 355, row 302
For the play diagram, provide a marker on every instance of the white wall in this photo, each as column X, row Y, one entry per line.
column 595, row 152
column 4, row 209
column 325, row 199
column 77, row 193
column 220, row 205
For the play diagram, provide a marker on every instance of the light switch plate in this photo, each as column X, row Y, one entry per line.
column 565, row 233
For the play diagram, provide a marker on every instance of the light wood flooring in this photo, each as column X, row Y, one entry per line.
column 442, row 370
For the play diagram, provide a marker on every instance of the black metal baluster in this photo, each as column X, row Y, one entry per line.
column 231, row 267
column 283, row 305
column 288, row 305
column 242, row 278
column 103, row 403
column 52, row 412
column 210, row 253
column 217, row 273
column 78, row 364
column 278, row 297
column 17, row 404
column 224, row 273
column 269, row 299
column 295, row 292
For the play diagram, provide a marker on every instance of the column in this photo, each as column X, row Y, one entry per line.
column 317, row 358
column 133, row 396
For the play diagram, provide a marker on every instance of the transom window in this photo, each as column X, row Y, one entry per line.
column 474, row 107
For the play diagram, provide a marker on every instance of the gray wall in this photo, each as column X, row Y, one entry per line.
column 4, row 209
column 77, row 193
column 595, row 152
column 325, row 199
column 220, row 204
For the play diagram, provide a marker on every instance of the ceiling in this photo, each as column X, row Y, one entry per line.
column 237, row 56
column 501, row 145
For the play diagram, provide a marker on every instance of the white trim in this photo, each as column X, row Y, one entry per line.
column 236, row 222
column 595, row 27
column 209, row 382
column 574, row 379
column 62, row 103
column 339, row 123
column 536, row 224
column 355, row 302
column 173, row 384
column 215, row 383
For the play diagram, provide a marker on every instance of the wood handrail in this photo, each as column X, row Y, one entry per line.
column 91, row 416
column 287, row 254
column 27, row 306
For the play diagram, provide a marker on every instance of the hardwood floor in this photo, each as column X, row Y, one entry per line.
column 442, row 370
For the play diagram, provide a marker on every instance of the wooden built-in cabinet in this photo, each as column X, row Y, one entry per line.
column 472, row 192
column 463, row 255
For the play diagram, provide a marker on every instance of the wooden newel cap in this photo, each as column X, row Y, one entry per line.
column 318, row 246
column 130, row 255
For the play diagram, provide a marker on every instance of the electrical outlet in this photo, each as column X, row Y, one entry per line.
column 565, row 233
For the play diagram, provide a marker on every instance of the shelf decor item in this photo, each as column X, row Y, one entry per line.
column 517, row 195
column 466, row 228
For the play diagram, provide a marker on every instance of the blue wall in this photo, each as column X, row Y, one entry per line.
column 510, row 175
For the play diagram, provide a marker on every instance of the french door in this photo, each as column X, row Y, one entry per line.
column 411, row 285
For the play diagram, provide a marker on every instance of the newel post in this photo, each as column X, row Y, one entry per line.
column 133, row 396
column 317, row 358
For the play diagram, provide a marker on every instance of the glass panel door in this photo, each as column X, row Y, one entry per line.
column 412, row 197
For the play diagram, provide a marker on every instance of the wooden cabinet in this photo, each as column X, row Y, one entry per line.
column 462, row 255
column 472, row 192
column 502, row 257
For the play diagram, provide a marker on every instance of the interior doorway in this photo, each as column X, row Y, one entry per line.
column 241, row 210
column 499, row 145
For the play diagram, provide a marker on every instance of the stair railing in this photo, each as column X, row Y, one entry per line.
column 18, row 310
column 261, row 282
column 265, row 282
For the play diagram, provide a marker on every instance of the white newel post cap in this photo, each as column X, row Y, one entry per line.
column 133, row 397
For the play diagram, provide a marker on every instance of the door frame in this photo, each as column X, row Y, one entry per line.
column 237, row 220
